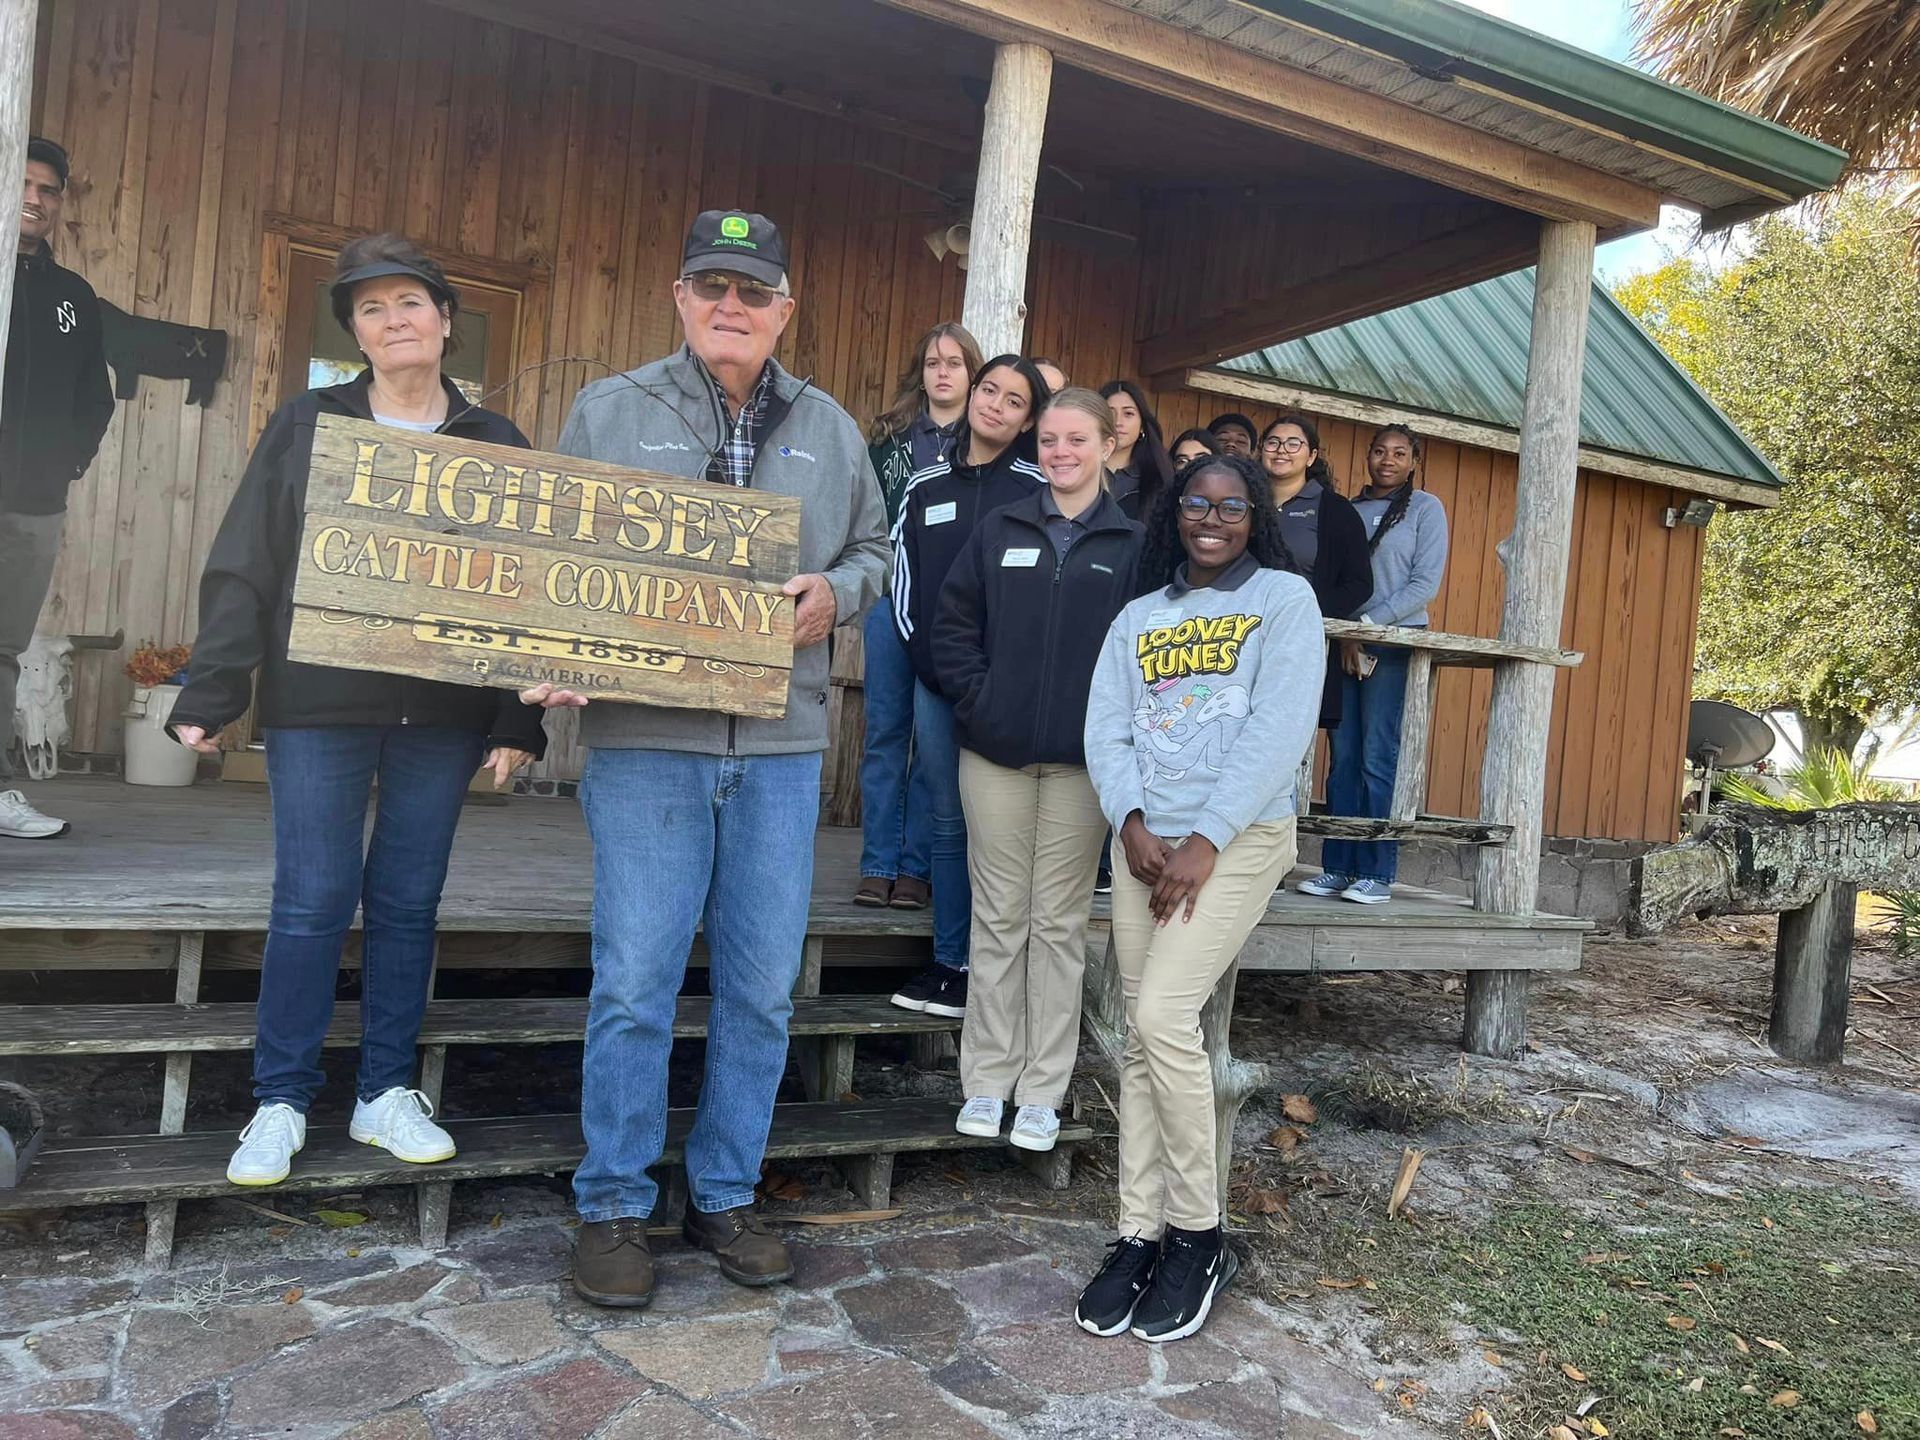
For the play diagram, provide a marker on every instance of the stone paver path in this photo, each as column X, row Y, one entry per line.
column 951, row 1327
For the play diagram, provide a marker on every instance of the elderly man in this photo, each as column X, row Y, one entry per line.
column 697, row 816
column 53, row 411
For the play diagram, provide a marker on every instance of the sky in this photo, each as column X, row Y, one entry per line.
column 1604, row 27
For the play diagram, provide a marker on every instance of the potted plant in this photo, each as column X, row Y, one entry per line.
column 153, row 756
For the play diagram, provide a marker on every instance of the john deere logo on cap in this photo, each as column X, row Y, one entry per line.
column 734, row 227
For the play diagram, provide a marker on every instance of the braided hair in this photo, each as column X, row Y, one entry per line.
column 1163, row 554
column 1402, row 497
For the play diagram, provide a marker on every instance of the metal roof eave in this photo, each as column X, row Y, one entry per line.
column 1440, row 38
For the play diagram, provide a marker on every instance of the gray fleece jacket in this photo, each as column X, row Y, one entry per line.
column 664, row 417
column 1203, row 702
column 1409, row 563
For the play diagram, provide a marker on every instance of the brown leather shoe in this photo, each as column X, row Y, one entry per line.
column 749, row 1253
column 910, row 893
column 613, row 1263
column 873, row 891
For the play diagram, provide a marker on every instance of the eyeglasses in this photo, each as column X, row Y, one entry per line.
column 713, row 289
column 1231, row 510
column 1274, row 445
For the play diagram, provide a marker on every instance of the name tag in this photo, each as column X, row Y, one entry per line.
column 941, row 514
column 1158, row 618
column 1020, row 559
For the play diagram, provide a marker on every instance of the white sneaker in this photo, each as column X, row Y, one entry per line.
column 267, row 1146
column 980, row 1116
column 21, row 821
column 1035, row 1127
column 400, row 1121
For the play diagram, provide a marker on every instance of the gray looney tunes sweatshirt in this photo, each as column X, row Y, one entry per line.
column 1203, row 702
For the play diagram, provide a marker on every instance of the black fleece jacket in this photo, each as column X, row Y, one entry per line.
column 1019, row 630
column 1342, row 581
column 56, row 402
column 942, row 505
column 246, row 601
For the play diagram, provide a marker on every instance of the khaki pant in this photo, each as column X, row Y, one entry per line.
column 1166, row 974
column 1033, row 846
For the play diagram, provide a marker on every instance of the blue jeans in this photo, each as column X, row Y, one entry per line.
column 1366, row 752
column 680, row 840
column 952, row 891
column 895, row 802
column 319, row 779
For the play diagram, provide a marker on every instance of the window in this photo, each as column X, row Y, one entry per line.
column 319, row 352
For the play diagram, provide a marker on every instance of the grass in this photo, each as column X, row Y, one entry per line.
column 1643, row 1309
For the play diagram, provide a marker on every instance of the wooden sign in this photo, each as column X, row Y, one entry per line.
column 481, row 564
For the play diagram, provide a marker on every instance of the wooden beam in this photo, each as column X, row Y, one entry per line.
column 18, row 21
column 1218, row 76
column 995, row 309
column 1429, row 266
column 530, row 18
column 1812, row 977
column 1738, row 494
column 1513, row 773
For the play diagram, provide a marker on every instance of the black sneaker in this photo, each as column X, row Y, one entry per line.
column 1195, row 1266
column 937, row 990
column 1103, row 883
column 1107, row 1304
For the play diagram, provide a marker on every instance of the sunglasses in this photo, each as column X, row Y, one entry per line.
column 1231, row 510
column 713, row 289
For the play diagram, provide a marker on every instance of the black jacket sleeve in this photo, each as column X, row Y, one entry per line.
column 245, row 579
column 1343, row 573
column 960, row 629
column 92, row 398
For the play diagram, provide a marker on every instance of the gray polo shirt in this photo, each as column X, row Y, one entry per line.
column 1300, row 525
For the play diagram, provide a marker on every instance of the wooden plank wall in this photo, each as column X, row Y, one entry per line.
column 192, row 121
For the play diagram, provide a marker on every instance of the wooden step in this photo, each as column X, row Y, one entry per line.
column 131, row 1029
column 120, row 1168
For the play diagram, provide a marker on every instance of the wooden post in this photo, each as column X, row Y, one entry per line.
column 173, row 1099
column 1233, row 1080
column 17, row 20
column 434, row 1198
column 1812, row 974
column 1001, row 227
column 1416, row 731
column 1514, row 773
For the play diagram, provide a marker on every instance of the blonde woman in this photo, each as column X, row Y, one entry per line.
column 1019, row 626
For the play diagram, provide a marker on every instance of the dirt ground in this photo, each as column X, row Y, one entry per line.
column 1648, row 1226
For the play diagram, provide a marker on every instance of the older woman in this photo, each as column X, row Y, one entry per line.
column 331, row 732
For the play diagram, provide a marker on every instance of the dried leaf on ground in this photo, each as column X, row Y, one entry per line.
column 1867, row 1423
column 1572, row 1373
column 777, row 1186
column 1492, row 1357
column 1697, row 1383
column 838, row 1217
column 1264, row 1202
column 292, row 1297
column 1561, row 1432
column 1327, row 1283
column 1594, row 1427
column 1773, row 1345
column 1750, row 1142
column 340, row 1219
column 1681, row 1322
column 1299, row 1109
column 1740, row 1345
column 1786, row 1399
column 1286, row 1138
column 1403, row 1182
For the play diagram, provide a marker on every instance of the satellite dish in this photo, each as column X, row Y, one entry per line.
column 1723, row 737
column 1726, row 737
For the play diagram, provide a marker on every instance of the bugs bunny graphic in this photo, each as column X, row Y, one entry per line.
column 1186, row 731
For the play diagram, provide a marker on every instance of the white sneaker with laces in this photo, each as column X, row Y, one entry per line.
column 980, row 1116
column 1325, row 884
column 267, row 1146
column 1368, row 892
column 1035, row 1127
column 20, row 821
column 400, row 1121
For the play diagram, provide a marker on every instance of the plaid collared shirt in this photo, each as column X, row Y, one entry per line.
column 733, row 464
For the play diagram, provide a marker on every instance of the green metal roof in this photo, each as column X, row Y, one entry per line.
column 1464, row 354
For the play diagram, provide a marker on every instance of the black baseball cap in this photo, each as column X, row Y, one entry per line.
column 736, row 240
column 50, row 152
